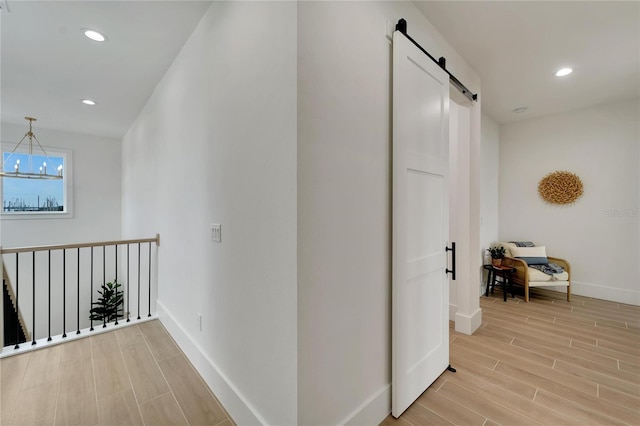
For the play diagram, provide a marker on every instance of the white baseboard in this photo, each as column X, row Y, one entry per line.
column 373, row 411
column 629, row 297
column 235, row 404
column 468, row 324
column 452, row 312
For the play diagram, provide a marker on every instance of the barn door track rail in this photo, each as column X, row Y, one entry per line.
column 442, row 62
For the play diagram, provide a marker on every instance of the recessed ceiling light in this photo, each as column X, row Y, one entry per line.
column 88, row 102
column 94, row 35
column 520, row 110
column 564, row 71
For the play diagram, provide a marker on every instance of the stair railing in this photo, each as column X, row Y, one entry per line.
column 43, row 283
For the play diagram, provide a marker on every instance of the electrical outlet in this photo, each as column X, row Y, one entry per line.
column 216, row 232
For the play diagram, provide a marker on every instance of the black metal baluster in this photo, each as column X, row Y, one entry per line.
column 49, row 277
column 149, row 279
column 104, row 282
column 78, row 308
column 17, row 346
column 128, row 264
column 116, row 280
column 91, row 296
column 138, row 280
column 64, row 292
column 33, row 299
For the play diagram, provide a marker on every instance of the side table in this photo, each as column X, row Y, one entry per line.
column 502, row 271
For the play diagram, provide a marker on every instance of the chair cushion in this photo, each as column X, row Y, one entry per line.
column 532, row 255
column 539, row 276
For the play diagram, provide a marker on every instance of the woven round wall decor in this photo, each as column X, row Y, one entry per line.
column 560, row 187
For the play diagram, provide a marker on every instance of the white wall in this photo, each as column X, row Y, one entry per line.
column 344, row 204
column 489, row 184
column 459, row 210
column 599, row 233
column 216, row 143
column 454, row 141
column 464, row 213
column 96, row 192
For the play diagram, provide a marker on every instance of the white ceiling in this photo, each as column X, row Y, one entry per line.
column 48, row 66
column 517, row 46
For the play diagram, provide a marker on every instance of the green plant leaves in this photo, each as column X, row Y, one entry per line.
column 109, row 305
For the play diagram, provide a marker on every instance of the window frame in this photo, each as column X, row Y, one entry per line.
column 67, row 179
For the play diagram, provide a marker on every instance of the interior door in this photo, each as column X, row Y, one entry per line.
column 420, row 292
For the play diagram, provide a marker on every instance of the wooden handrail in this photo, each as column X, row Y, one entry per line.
column 83, row 245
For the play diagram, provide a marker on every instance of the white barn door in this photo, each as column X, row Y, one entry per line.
column 420, row 291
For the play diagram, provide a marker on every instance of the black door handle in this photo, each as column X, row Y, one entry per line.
column 453, row 261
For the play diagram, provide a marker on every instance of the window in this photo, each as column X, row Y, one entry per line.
column 23, row 198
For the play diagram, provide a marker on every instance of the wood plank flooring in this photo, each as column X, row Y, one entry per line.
column 131, row 376
column 547, row 362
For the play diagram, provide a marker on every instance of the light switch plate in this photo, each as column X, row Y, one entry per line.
column 216, row 232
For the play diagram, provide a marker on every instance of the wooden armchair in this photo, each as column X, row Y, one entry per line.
column 528, row 277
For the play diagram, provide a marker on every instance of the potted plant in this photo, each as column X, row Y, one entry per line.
column 109, row 304
column 497, row 254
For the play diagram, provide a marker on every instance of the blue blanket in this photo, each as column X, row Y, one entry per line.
column 549, row 268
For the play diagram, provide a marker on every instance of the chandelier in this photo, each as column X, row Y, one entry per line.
column 26, row 171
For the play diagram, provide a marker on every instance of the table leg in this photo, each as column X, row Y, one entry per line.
column 486, row 293
column 511, row 286
column 504, row 285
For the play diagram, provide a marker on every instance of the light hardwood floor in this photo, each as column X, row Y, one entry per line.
column 547, row 362
column 131, row 376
